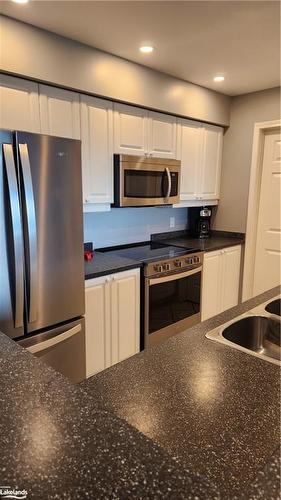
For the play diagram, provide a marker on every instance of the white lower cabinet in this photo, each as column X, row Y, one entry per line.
column 112, row 319
column 221, row 276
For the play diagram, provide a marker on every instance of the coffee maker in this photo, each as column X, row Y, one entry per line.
column 203, row 227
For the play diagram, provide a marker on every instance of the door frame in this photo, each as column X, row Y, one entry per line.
column 260, row 129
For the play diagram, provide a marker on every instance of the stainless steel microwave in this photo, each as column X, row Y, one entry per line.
column 145, row 181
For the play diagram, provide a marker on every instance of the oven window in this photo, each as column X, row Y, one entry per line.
column 173, row 301
column 144, row 184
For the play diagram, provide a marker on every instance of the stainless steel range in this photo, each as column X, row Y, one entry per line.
column 171, row 288
column 172, row 296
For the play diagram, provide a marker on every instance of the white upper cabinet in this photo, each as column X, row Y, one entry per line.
column 130, row 130
column 189, row 149
column 19, row 104
column 211, row 162
column 162, row 135
column 199, row 149
column 97, row 149
column 59, row 112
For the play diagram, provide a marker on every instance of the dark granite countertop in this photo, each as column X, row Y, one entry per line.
column 217, row 240
column 188, row 419
column 213, row 408
column 103, row 264
column 58, row 442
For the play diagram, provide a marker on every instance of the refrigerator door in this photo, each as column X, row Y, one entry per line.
column 11, row 243
column 51, row 193
column 62, row 348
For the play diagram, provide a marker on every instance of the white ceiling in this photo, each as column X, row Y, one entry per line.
column 193, row 40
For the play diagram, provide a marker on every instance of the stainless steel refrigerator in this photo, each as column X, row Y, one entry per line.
column 41, row 248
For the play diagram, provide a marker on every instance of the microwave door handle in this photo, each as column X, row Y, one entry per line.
column 167, row 170
column 31, row 230
column 17, row 232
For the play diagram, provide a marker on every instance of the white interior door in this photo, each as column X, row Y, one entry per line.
column 268, row 247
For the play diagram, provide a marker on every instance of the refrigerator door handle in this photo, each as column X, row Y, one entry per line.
column 17, row 232
column 42, row 346
column 32, row 232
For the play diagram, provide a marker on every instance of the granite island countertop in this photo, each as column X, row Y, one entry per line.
column 187, row 419
column 214, row 408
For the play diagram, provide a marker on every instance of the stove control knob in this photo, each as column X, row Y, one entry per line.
column 158, row 268
column 189, row 260
column 166, row 267
column 196, row 259
column 178, row 263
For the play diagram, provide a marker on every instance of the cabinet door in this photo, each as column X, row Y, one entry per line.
column 97, row 324
column 19, row 104
column 97, row 149
column 211, row 162
column 162, row 135
column 130, row 130
column 211, row 288
column 189, row 150
column 231, row 277
column 59, row 112
column 125, row 315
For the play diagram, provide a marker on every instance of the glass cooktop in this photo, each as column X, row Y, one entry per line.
column 148, row 252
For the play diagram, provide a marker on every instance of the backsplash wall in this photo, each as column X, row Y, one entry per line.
column 130, row 225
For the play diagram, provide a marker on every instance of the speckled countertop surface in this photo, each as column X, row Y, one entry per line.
column 59, row 443
column 103, row 264
column 215, row 409
column 190, row 419
column 218, row 240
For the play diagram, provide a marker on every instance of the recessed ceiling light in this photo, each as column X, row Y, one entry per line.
column 146, row 49
column 20, row 1
column 219, row 78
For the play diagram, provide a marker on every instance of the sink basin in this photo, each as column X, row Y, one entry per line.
column 274, row 307
column 256, row 333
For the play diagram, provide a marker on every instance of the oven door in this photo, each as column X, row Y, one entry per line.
column 172, row 304
column 148, row 185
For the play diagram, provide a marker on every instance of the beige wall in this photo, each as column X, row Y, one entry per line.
column 246, row 110
column 40, row 55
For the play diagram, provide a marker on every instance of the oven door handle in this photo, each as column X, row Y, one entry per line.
column 173, row 277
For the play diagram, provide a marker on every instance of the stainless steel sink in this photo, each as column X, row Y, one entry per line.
column 274, row 307
column 256, row 333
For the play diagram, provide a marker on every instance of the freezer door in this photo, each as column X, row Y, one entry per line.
column 11, row 243
column 62, row 348
column 51, row 192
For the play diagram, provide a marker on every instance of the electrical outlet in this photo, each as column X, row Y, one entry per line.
column 172, row 221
